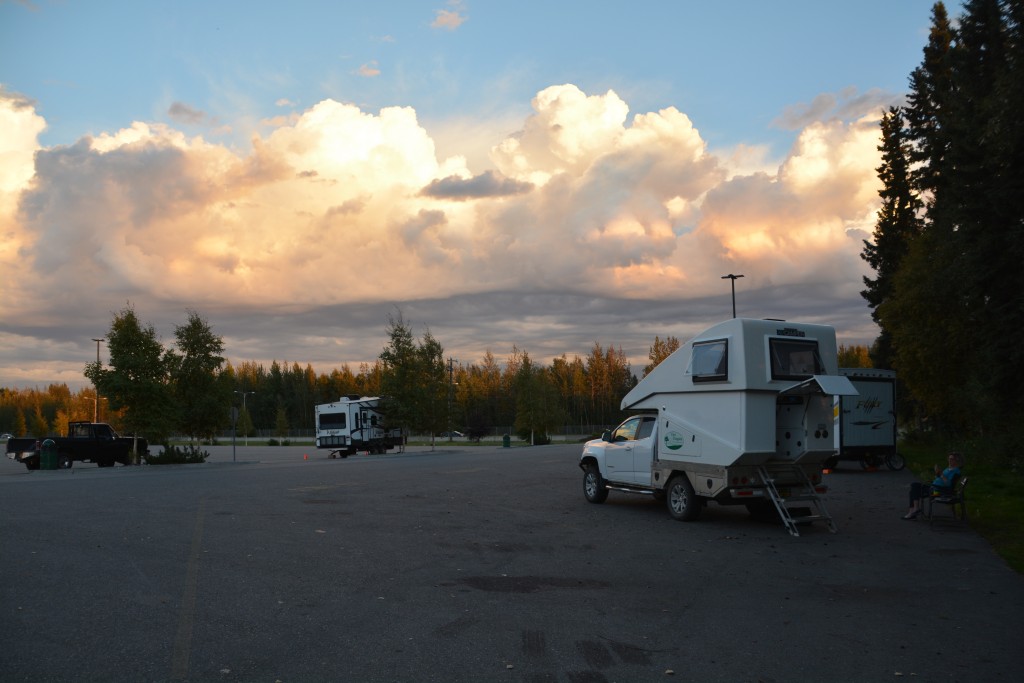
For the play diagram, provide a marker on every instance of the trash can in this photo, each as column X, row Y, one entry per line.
column 506, row 441
column 48, row 455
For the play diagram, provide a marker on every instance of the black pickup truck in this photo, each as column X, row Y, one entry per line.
column 85, row 442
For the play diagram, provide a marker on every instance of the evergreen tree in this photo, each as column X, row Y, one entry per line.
column 898, row 223
column 201, row 400
column 136, row 380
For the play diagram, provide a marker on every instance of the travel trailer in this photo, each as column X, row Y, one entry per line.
column 353, row 424
column 865, row 425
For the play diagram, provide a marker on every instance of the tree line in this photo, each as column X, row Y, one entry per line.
column 191, row 389
column 948, row 244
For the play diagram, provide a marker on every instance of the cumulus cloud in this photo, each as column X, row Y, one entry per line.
column 301, row 244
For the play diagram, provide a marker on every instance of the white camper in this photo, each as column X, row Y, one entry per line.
column 865, row 425
column 352, row 424
column 740, row 414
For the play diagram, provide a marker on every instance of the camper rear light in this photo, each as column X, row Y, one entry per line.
column 821, row 489
column 741, row 481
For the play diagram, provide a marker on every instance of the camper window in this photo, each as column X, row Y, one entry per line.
column 332, row 420
column 793, row 359
column 710, row 361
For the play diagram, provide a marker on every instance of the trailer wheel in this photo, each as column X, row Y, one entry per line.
column 64, row 461
column 593, row 485
column 895, row 461
column 682, row 501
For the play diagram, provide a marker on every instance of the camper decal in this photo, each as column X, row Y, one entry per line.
column 874, row 424
column 673, row 441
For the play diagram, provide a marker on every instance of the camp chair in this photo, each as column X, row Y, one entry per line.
column 951, row 498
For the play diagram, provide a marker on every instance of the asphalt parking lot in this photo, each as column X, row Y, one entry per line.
column 477, row 564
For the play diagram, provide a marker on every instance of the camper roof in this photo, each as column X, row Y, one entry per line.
column 741, row 354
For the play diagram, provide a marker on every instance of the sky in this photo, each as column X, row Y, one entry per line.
column 538, row 175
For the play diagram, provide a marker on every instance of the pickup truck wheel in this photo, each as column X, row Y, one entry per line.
column 682, row 501
column 64, row 461
column 593, row 485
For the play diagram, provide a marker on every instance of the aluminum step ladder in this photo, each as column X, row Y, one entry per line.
column 801, row 492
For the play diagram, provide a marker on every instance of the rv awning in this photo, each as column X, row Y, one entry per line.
column 830, row 385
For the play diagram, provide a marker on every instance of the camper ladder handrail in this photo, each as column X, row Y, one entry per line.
column 802, row 491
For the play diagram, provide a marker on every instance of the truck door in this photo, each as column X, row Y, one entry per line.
column 630, row 447
column 643, row 451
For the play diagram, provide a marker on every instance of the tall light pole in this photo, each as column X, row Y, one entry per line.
column 244, row 394
column 96, row 407
column 451, row 388
column 732, row 277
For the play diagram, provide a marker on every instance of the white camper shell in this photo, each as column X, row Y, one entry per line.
column 740, row 414
column 352, row 424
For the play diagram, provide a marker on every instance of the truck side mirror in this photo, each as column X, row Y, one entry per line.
column 606, row 435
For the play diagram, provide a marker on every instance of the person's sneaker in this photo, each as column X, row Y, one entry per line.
column 912, row 515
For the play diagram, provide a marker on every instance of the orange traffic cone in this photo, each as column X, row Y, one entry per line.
column 305, row 456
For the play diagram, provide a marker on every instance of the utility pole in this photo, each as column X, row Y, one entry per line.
column 732, row 277
column 96, row 403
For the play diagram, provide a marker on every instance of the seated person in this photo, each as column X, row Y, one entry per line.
column 943, row 483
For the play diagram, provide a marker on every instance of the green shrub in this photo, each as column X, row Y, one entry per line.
column 178, row 455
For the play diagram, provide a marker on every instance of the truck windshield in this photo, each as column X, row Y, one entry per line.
column 795, row 359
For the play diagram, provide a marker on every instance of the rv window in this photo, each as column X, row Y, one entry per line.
column 710, row 361
column 332, row 420
column 793, row 359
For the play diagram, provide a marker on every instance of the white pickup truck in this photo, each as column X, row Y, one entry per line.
column 741, row 414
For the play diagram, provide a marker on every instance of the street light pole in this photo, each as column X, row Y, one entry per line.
column 96, row 406
column 451, row 388
column 732, row 277
column 244, row 394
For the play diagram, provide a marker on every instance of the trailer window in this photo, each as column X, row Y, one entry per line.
column 793, row 359
column 332, row 420
column 710, row 361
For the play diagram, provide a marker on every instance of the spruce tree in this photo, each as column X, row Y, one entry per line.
column 898, row 223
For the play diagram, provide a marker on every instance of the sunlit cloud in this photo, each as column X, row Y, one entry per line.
column 369, row 70
column 335, row 214
column 449, row 19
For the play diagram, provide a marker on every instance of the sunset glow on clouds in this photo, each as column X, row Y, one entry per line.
column 296, row 232
column 343, row 206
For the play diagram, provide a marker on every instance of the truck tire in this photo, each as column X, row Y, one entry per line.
column 593, row 485
column 682, row 502
column 64, row 461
